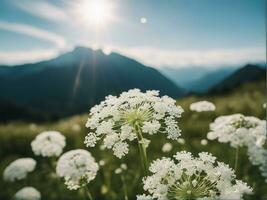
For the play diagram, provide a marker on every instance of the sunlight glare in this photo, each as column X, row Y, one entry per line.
column 95, row 12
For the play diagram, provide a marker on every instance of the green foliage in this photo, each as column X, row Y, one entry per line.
column 15, row 139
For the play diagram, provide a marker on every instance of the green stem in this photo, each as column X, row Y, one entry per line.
column 236, row 159
column 124, row 188
column 87, row 194
column 142, row 149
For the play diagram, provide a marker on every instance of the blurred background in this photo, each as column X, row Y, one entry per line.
column 59, row 58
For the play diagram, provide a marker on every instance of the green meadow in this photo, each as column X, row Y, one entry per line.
column 15, row 139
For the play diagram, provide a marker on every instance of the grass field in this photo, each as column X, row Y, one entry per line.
column 15, row 138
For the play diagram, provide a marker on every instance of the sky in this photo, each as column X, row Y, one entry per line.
column 158, row 33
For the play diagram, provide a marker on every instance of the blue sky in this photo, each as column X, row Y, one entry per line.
column 177, row 32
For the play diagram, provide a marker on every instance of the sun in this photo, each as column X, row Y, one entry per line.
column 95, row 13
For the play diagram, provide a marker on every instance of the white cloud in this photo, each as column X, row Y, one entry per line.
column 34, row 32
column 19, row 57
column 41, row 9
column 180, row 58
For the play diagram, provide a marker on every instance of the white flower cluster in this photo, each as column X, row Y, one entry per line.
column 77, row 167
column 48, row 144
column 18, row 169
column 187, row 177
column 28, row 193
column 167, row 147
column 202, row 106
column 239, row 131
column 118, row 119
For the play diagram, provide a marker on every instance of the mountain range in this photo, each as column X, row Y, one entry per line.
column 77, row 80
column 248, row 73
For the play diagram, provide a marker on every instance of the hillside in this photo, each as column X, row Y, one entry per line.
column 249, row 73
column 75, row 81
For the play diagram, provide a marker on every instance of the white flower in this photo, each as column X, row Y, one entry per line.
column 181, row 141
column 202, row 106
column 192, row 178
column 130, row 116
column 77, row 167
column 204, row 142
column 144, row 197
column 102, row 162
column 240, row 131
column 167, row 147
column 18, row 169
column 28, row 193
column 123, row 166
column 48, row 144
column 118, row 171
column 151, row 127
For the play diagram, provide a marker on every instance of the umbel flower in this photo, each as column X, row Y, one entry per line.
column 28, row 193
column 130, row 116
column 240, row 131
column 48, row 144
column 77, row 167
column 188, row 178
column 202, row 106
column 18, row 169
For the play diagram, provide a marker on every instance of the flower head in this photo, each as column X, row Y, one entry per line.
column 48, row 144
column 77, row 167
column 28, row 193
column 189, row 177
column 119, row 119
column 202, row 106
column 167, row 147
column 18, row 169
column 238, row 130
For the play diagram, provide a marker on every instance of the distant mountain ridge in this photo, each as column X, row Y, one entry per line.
column 248, row 73
column 77, row 80
column 201, row 80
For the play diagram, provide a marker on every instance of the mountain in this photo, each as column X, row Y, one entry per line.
column 77, row 80
column 209, row 80
column 183, row 75
column 197, row 79
column 248, row 73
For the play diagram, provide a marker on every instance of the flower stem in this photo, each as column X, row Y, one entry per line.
column 124, row 188
column 142, row 149
column 236, row 158
column 87, row 194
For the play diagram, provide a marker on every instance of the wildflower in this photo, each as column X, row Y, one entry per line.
column 48, row 144
column 204, row 142
column 131, row 116
column 144, row 197
column 167, row 147
column 102, row 162
column 123, row 166
column 28, row 193
column 238, row 130
column 202, row 106
column 77, row 167
column 181, row 141
column 18, row 169
column 242, row 131
column 118, row 171
column 188, row 177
